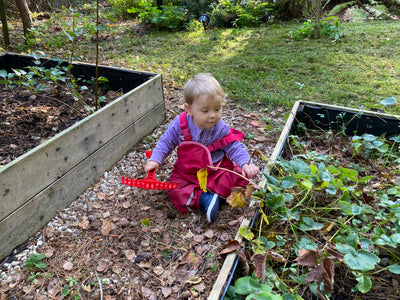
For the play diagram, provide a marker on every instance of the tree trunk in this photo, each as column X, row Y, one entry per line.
column 25, row 15
column 317, row 19
column 6, row 36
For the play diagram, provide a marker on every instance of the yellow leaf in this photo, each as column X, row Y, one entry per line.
column 165, row 65
column 202, row 177
column 237, row 198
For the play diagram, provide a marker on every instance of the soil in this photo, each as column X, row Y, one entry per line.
column 117, row 241
column 28, row 118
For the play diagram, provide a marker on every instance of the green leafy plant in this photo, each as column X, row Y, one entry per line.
column 329, row 28
column 311, row 196
column 35, row 262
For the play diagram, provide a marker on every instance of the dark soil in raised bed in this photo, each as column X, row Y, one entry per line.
column 29, row 118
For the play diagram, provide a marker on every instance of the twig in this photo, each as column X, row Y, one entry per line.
column 256, row 186
column 147, row 272
column 100, row 286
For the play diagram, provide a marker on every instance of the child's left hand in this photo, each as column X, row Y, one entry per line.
column 250, row 171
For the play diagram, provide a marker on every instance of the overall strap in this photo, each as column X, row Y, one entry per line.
column 187, row 136
column 233, row 135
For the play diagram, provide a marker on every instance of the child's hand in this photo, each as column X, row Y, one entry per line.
column 151, row 165
column 250, row 171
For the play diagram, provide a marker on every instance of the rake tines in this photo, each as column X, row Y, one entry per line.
column 149, row 183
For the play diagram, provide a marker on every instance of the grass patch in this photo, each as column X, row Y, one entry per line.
column 257, row 66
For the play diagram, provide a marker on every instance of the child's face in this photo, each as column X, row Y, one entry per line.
column 205, row 110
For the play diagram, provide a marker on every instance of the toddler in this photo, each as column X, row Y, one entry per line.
column 203, row 139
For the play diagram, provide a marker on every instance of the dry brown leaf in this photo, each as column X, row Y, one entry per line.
column 225, row 237
column 166, row 291
column 248, row 192
column 106, row 227
column 130, row 254
column 84, row 224
column 308, row 258
column 188, row 266
column 199, row 287
column 102, row 267
column 276, row 256
column 68, row 266
column 230, row 247
column 255, row 123
column 158, row 270
column 194, row 280
column 198, row 238
column 243, row 260
column 259, row 260
column 209, row 234
column 126, row 204
column 97, row 205
column 260, row 138
column 237, row 199
column 327, row 274
column 101, row 196
column 48, row 251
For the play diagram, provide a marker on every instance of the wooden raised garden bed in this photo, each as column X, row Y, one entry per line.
column 46, row 179
column 366, row 261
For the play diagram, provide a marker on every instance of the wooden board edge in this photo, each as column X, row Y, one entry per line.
column 37, row 213
column 227, row 266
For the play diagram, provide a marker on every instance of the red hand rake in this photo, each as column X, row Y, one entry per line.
column 150, row 182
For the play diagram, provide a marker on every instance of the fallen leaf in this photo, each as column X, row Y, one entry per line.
column 48, row 251
column 130, row 254
column 101, row 196
column 158, row 270
column 84, row 224
column 102, row 267
column 166, row 291
column 209, row 234
column 237, row 199
column 308, row 258
column 249, row 191
column 96, row 205
column 198, row 238
column 202, row 177
column 194, row 280
column 68, row 266
column 188, row 266
column 259, row 260
column 255, row 123
column 106, row 227
column 260, row 138
column 276, row 256
column 230, row 247
column 199, row 287
column 126, row 204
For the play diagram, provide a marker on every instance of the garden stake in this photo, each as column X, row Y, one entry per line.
column 150, row 182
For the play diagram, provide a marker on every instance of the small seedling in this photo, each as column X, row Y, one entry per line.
column 35, row 262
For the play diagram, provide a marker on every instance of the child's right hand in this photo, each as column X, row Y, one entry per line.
column 151, row 165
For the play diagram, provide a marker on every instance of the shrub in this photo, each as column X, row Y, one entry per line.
column 170, row 17
column 244, row 13
column 329, row 28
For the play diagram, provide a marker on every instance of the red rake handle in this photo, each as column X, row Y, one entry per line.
column 150, row 182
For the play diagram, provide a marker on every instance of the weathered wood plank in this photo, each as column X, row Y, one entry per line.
column 29, row 218
column 29, row 174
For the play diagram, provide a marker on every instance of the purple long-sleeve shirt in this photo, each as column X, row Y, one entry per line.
column 173, row 137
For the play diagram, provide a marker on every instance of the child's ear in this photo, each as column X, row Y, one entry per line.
column 188, row 108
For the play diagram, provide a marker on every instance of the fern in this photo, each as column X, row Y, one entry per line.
column 338, row 8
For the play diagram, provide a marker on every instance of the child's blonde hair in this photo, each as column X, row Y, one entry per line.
column 202, row 84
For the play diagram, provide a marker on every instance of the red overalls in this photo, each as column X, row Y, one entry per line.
column 193, row 156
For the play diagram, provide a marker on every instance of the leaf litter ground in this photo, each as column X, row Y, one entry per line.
column 120, row 242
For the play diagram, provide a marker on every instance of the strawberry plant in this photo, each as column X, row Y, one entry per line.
column 330, row 207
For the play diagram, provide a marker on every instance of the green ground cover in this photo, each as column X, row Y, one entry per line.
column 257, row 66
